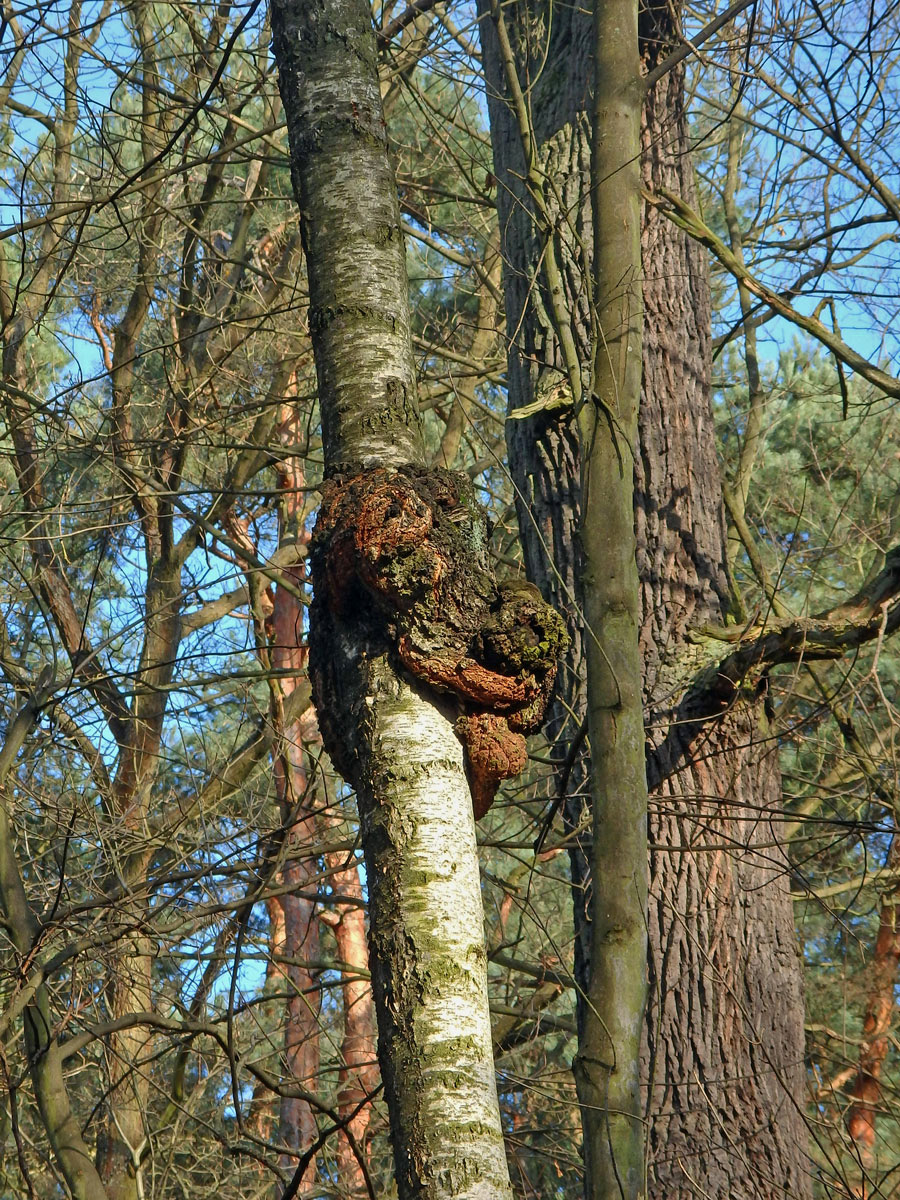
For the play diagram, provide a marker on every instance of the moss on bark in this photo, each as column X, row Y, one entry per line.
column 400, row 556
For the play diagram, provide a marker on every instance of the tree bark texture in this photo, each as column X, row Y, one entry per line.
column 867, row 1089
column 392, row 545
column 358, row 1071
column 722, row 1070
column 725, row 1030
column 297, row 1122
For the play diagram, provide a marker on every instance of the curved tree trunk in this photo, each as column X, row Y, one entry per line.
column 395, row 742
column 723, row 1068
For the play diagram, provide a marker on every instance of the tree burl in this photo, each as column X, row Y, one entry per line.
column 404, row 554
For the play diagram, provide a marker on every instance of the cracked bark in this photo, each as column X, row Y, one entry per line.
column 722, row 1063
column 396, row 741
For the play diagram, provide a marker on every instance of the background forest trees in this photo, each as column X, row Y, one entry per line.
column 184, row 999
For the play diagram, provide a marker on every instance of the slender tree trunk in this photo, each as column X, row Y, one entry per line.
column 722, row 1068
column 262, row 1115
column 393, row 740
column 358, row 1071
column 297, row 1123
column 41, row 1045
column 129, row 1052
column 881, row 1005
column 609, row 1081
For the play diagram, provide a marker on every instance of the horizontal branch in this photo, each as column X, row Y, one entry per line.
column 713, row 676
column 410, row 14
column 885, row 875
column 692, row 45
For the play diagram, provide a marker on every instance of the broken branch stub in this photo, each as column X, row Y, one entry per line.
column 400, row 564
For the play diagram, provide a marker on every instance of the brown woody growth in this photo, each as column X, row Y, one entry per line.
column 405, row 551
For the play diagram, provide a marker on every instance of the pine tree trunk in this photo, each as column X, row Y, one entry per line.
column 867, row 1088
column 358, row 1071
column 297, row 1122
column 723, row 1062
column 725, row 1035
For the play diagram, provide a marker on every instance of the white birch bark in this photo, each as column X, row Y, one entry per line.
column 395, row 744
column 429, row 960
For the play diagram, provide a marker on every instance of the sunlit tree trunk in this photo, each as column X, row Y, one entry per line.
column 297, row 1124
column 394, row 742
column 358, row 1070
column 296, row 802
column 722, row 1063
column 881, row 1004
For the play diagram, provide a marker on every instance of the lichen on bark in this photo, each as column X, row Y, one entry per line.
column 400, row 555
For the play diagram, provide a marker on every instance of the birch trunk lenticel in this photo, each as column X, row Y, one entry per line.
column 409, row 632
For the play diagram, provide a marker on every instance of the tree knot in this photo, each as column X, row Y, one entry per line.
column 404, row 553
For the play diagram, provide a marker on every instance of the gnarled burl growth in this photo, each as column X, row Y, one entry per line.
column 401, row 555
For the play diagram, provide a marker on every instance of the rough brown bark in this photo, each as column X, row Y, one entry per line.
column 543, row 452
column 725, row 1028
column 724, row 1037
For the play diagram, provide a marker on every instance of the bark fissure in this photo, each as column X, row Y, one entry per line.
column 377, row 578
column 722, row 1066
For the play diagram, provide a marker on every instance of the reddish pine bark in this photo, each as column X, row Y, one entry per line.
column 880, row 1008
column 358, row 1072
column 297, row 1123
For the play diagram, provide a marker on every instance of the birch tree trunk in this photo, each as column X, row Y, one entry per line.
column 394, row 543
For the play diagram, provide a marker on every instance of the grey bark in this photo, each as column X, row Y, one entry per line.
column 394, row 741
column 722, row 1065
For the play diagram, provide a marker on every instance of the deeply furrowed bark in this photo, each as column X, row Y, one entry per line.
column 722, row 1069
column 396, row 743
column 727, row 1081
